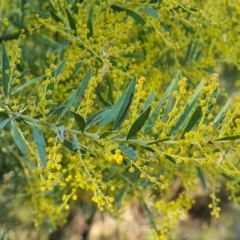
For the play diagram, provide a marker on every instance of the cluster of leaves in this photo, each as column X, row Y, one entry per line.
column 85, row 120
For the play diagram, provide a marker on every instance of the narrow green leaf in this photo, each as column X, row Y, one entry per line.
column 97, row 117
column 151, row 12
column 49, row 96
column 61, row 47
column 221, row 114
column 233, row 137
column 110, row 91
column 117, row 64
column 120, row 196
column 138, row 19
column 90, row 24
column 5, row 122
column 77, row 68
column 28, row 83
column 18, row 138
column 138, row 124
column 60, row 132
column 107, row 133
column 213, row 96
column 3, row 116
column 71, row 22
column 75, row 143
column 55, row 16
column 82, row 87
column 50, row 42
column 23, row 74
column 101, row 11
column 158, row 140
column 192, row 51
column 171, row 98
column 101, row 98
column 155, row 112
column 147, row 148
column 76, row 96
column 41, row 146
column 53, row 111
column 171, row 159
column 195, row 118
column 188, row 109
column 149, row 100
column 79, row 120
column 128, row 151
column 70, row 146
column 59, row 69
column 112, row 114
column 133, row 55
column 5, row 76
column 150, row 217
column 125, row 106
column 201, row 177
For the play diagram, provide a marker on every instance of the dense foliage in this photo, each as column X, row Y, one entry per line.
column 110, row 101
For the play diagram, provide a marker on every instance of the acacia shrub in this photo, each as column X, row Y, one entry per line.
column 104, row 100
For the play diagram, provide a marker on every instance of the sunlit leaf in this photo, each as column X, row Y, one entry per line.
column 41, row 146
column 138, row 124
column 128, row 151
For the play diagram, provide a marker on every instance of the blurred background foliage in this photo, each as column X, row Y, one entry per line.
column 153, row 39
